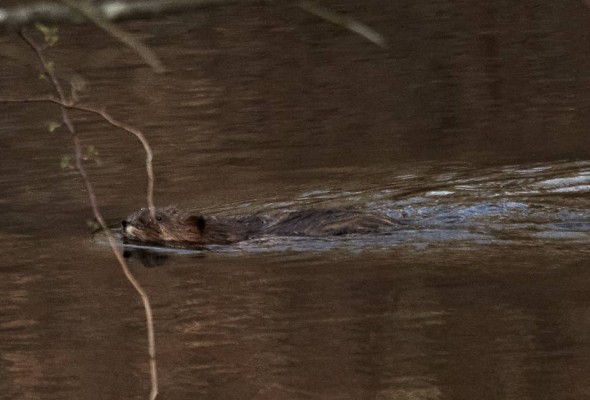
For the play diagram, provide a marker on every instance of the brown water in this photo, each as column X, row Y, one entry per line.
column 472, row 128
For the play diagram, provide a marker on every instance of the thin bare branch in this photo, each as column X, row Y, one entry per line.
column 119, row 255
column 344, row 21
column 93, row 14
column 23, row 14
column 111, row 10
column 107, row 117
column 65, row 104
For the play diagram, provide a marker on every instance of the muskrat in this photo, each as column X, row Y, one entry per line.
column 173, row 227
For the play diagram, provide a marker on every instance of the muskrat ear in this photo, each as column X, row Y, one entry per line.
column 198, row 221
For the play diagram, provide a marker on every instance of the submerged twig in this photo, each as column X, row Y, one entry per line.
column 343, row 21
column 65, row 104
column 93, row 14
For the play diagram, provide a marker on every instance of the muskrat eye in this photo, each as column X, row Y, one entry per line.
column 158, row 218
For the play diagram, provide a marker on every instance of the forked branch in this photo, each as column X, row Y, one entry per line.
column 66, row 104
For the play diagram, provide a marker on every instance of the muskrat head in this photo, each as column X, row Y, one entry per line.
column 168, row 225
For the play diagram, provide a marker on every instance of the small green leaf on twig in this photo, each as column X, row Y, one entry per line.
column 42, row 76
column 49, row 33
column 92, row 155
column 52, row 125
column 50, row 66
column 91, row 151
column 66, row 162
column 93, row 225
column 77, row 85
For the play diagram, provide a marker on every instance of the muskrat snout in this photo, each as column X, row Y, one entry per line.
column 124, row 224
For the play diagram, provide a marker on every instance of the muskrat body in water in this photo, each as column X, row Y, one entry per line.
column 173, row 227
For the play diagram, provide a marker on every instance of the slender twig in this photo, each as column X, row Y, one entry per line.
column 107, row 117
column 92, row 13
column 110, row 10
column 49, row 72
column 343, row 21
column 119, row 255
column 140, row 136
column 23, row 13
column 65, row 104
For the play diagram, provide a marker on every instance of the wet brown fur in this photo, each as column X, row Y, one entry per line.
column 173, row 227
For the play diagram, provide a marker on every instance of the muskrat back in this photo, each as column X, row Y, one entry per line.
column 328, row 222
column 173, row 227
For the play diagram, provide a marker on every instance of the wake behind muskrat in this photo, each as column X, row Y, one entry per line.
column 177, row 228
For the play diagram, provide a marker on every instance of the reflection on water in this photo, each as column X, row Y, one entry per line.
column 471, row 130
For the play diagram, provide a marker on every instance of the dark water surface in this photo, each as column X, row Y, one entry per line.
column 471, row 128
